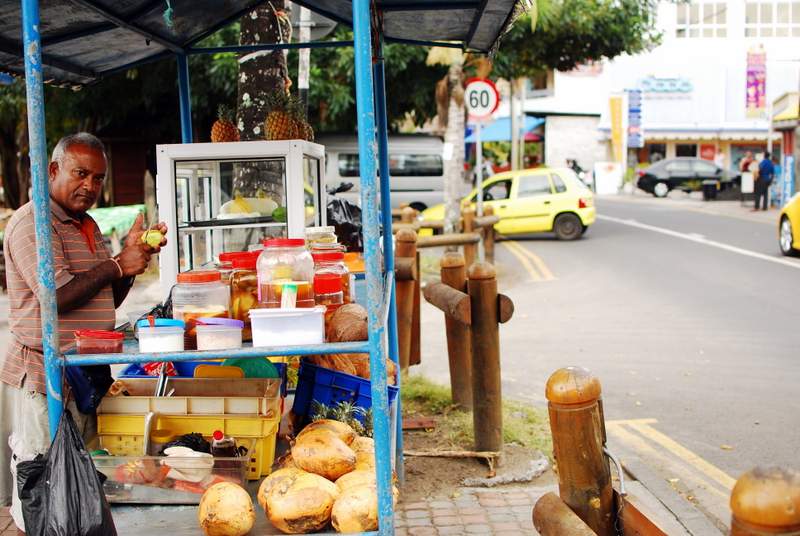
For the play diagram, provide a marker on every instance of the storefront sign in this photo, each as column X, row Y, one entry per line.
column 708, row 151
column 652, row 84
column 615, row 109
column 635, row 131
column 756, row 91
column 787, row 182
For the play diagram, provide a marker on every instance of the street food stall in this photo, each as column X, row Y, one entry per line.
column 213, row 208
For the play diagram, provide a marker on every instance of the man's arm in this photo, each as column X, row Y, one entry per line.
column 121, row 287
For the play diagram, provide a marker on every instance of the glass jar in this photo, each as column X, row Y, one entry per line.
column 225, row 265
column 332, row 262
column 328, row 292
column 320, row 235
column 285, row 264
column 244, row 291
column 199, row 294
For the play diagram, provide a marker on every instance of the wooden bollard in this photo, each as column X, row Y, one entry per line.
column 405, row 249
column 576, row 423
column 415, row 354
column 552, row 517
column 488, row 236
column 408, row 215
column 470, row 250
column 766, row 500
column 487, row 411
column 459, row 347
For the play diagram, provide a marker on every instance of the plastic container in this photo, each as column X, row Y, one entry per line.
column 95, row 341
column 288, row 327
column 320, row 235
column 285, row 265
column 333, row 263
column 219, row 333
column 244, row 290
column 330, row 387
column 328, row 292
column 166, row 335
column 199, row 294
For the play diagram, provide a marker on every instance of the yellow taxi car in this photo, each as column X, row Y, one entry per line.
column 789, row 227
column 534, row 200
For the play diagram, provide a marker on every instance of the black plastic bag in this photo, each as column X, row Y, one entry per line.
column 194, row 441
column 345, row 217
column 62, row 492
column 89, row 385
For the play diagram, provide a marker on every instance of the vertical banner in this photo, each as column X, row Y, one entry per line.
column 756, row 90
column 635, row 131
column 787, row 184
column 617, row 145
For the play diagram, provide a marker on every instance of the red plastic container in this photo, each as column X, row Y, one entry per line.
column 97, row 341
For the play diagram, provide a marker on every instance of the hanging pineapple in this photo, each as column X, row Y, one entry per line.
column 285, row 119
column 224, row 128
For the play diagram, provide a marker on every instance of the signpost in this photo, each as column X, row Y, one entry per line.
column 481, row 99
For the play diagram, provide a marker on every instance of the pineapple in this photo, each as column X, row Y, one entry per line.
column 285, row 119
column 224, row 128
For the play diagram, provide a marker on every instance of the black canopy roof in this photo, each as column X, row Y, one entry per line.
column 83, row 40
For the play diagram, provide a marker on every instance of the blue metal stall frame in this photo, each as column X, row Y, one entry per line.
column 372, row 146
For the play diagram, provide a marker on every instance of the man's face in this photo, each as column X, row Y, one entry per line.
column 77, row 180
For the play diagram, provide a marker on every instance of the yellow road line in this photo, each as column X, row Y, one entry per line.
column 537, row 260
column 650, row 454
column 712, row 472
column 524, row 260
column 631, row 421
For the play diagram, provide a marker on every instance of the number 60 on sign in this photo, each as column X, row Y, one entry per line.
column 481, row 98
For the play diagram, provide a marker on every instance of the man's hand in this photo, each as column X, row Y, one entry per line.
column 134, row 258
column 136, row 232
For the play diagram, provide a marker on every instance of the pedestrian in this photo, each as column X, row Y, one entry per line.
column 744, row 163
column 719, row 160
column 766, row 172
column 90, row 285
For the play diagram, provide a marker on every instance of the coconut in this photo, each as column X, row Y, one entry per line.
column 281, row 475
column 357, row 478
column 341, row 430
column 365, row 460
column 356, row 509
column 363, row 444
column 226, row 510
column 301, row 503
column 323, row 453
column 348, row 323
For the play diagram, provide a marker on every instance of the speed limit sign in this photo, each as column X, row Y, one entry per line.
column 481, row 98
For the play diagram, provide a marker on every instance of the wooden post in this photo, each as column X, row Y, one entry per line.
column 406, row 249
column 415, row 355
column 576, row 423
column 408, row 215
column 766, row 500
column 552, row 517
column 488, row 236
column 470, row 250
column 459, row 347
column 487, row 411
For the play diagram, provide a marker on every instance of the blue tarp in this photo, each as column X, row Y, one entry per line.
column 500, row 129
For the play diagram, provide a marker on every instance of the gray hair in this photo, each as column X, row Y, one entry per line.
column 79, row 138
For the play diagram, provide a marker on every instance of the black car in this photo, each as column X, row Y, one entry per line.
column 683, row 173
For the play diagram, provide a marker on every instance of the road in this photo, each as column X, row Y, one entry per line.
column 689, row 319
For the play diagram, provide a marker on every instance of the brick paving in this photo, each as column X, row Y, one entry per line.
column 502, row 512
column 7, row 527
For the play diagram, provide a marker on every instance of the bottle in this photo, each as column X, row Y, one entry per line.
column 223, row 447
column 328, row 292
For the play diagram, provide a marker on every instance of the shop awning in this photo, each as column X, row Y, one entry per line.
column 83, row 40
column 500, row 130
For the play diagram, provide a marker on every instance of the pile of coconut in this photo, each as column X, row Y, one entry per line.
column 328, row 477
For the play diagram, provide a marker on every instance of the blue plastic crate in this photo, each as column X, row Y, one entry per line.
column 325, row 386
column 185, row 369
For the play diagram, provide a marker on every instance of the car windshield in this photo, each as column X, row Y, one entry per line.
column 572, row 179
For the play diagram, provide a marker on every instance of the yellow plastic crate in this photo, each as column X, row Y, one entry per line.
column 123, row 435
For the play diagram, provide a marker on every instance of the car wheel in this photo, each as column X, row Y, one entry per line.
column 568, row 227
column 419, row 207
column 661, row 189
column 786, row 237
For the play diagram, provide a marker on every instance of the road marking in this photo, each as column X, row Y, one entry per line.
column 519, row 251
column 524, row 260
column 701, row 240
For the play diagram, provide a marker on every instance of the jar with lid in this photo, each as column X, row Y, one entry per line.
column 244, row 290
column 320, row 235
column 225, row 264
column 285, row 263
column 199, row 294
column 328, row 292
column 332, row 262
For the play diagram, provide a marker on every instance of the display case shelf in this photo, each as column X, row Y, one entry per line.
column 223, row 225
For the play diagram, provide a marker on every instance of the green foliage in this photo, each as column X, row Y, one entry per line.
column 571, row 32
column 345, row 412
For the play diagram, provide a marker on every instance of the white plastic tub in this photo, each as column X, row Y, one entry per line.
column 218, row 337
column 160, row 339
column 288, row 327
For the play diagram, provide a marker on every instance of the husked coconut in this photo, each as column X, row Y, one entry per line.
column 361, row 443
column 226, row 509
column 348, row 324
column 357, row 478
column 356, row 509
column 276, row 477
column 324, row 454
column 343, row 431
column 301, row 503
column 365, row 460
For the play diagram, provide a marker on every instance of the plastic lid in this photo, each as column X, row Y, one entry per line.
column 328, row 256
column 323, row 229
column 284, row 243
column 327, row 283
column 99, row 334
column 199, row 276
column 218, row 435
column 215, row 321
column 247, row 262
column 161, row 323
column 230, row 256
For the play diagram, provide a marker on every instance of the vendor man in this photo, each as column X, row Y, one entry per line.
column 90, row 285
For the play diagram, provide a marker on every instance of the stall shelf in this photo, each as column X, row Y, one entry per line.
column 87, row 39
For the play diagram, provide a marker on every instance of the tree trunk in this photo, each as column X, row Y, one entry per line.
column 8, row 170
column 454, row 139
column 23, row 161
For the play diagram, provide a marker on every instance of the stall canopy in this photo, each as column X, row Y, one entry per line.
column 500, row 130
column 82, row 40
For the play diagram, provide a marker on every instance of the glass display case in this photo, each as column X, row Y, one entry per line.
column 218, row 197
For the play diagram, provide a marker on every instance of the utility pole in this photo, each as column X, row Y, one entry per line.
column 304, row 57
